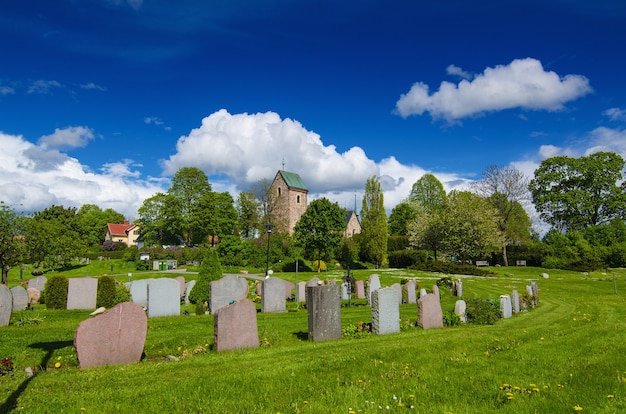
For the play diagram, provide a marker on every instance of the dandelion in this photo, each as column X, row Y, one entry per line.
column 59, row 358
column 179, row 348
column 574, row 320
column 411, row 396
column 57, row 365
column 578, row 408
column 532, row 385
column 536, row 389
column 400, row 404
column 545, row 387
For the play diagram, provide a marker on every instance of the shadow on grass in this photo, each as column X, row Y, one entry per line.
column 303, row 336
column 49, row 347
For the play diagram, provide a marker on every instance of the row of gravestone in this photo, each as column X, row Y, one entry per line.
column 18, row 298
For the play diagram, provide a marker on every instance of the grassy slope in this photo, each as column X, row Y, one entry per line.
column 570, row 348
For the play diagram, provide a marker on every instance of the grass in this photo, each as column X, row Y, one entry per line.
column 566, row 353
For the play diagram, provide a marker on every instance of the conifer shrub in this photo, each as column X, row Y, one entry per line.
column 481, row 311
column 106, row 292
column 56, row 292
column 210, row 270
column 122, row 294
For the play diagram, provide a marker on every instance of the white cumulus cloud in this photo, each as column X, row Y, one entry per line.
column 66, row 138
column 523, row 83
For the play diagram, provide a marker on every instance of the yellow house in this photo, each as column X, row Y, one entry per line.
column 126, row 233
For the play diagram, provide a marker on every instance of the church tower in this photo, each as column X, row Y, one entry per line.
column 290, row 196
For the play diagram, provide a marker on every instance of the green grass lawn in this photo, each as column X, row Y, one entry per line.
column 568, row 352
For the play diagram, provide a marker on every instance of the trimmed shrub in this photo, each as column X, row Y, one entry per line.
column 407, row 258
column 56, row 292
column 106, row 292
column 482, row 312
column 290, row 266
column 210, row 270
column 122, row 294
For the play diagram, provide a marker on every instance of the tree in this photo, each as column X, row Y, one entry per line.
column 574, row 193
column 191, row 193
column 400, row 217
column 269, row 204
column 12, row 247
column 93, row 222
column 158, row 220
column 210, row 270
column 426, row 231
column 248, row 208
column 429, row 193
column 320, row 229
column 374, row 229
column 469, row 225
column 224, row 221
column 506, row 188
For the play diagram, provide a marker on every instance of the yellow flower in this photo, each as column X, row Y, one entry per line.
column 532, row 385
column 179, row 348
column 541, row 338
column 574, row 320
column 57, row 365
column 578, row 408
column 610, row 396
column 83, row 409
column 59, row 358
column 411, row 396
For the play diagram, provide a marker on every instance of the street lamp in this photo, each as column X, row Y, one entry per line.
column 269, row 234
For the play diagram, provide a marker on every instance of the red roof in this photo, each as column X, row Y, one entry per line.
column 116, row 229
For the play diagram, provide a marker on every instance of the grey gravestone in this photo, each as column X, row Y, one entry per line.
column 397, row 288
column 188, row 286
column 181, row 281
column 529, row 290
column 313, row 282
column 82, row 293
column 114, row 337
column 373, row 283
column 515, row 301
column 324, row 313
column 273, row 297
column 506, row 310
column 38, row 283
column 409, row 290
column 20, row 298
column 458, row 288
column 429, row 313
column 436, row 291
column 6, row 305
column 459, row 309
column 139, row 291
column 535, row 290
column 423, row 293
column 289, row 286
column 345, row 291
column 33, row 295
column 258, row 288
column 360, row 289
column 163, row 297
column 235, row 326
column 227, row 290
column 385, row 311
column 301, row 292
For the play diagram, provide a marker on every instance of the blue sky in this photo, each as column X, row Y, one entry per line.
column 101, row 101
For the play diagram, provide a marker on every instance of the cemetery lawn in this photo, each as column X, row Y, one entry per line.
column 567, row 355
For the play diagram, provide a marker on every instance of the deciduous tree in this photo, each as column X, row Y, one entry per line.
column 12, row 247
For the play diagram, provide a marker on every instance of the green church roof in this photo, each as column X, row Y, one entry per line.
column 293, row 180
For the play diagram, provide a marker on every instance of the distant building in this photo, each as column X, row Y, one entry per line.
column 353, row 225
column 289, row 195
column 126, row 233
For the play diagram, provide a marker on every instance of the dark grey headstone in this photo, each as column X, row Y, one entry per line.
column 324, row 311
column 82, row 293
column 273, row 297
column 20, row 298
column 227, row 290
column 429, row 313
column 385, row 311
column 235, row 326
column 373, row 283
column 163, row 297
column 6, row 305
column 359, row 286
column 114, row 337
column 506, row 309
column 409, row 291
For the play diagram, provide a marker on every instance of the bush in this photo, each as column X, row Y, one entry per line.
column 481, row 311
column 106, row 292
column 37, row 272
column 396, row 243
column 210, row 270
column 407, row 258
column 290, row 266
column 122, row 294
column 56, row 292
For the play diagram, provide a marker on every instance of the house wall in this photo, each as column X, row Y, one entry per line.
column 353, row 227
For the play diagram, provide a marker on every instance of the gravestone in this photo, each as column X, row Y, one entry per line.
column 38, row 283
column 163, row 297
column 458, row 288
column 423, row 293
column 506, row 310
column 345, row 291
column 535, row 290
column 139, row 291
column 227, row 290
column 188, row 286
column 429, row 313
column 20, row 298
column 436, row 291
column 409, row 291
column 373, row 283
column 529, row 290
column 82, row 293
column 359, row 287
column 273, row 297
column 6, row 305
column 324, row 314
column 397, row 288
column 460, row 308
column 301, row 292
column 33, row 295
column 258, row 288
column 114, row 337
column 235, row 326
column 313, row 282
column 289, row 286
column 515, row 301
column 385, row 311
column 181, row 281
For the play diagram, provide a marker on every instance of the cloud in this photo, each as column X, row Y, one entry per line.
column 92, row 86
column 33, row 177
column 615, row 114
column 521, row 84
column 67, row 138
column 43, row 87
column 156, row 121
column 607, row 139
column 457, row 71
column 6, row 90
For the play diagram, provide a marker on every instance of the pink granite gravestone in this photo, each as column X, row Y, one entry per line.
column 429, row 313
column 114, row 337
column 235, row 326
column 360, row 289
column 33, row 295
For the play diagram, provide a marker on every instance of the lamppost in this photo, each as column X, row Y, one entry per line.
column 269, row 234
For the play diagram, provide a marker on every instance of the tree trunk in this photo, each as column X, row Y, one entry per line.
column 504, row 257
column 5, row 275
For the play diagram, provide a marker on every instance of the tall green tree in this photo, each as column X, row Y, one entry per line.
column 320, row 229
column 400, row 217
column 426, row 231
column 574, row 193
column 92, row 221
column 158, row 219
column 224, row 218
column 12, row 246
column 506, row 188
column 248, row 210
column 191, row 193
column 374, row 228
column 429, row 193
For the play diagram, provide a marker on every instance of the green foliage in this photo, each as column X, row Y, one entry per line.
column 210, row 270
column 290, row 266
column 200, row 308
column 230, row 250
column 395, row 243
column 452, row 268
column 29, row 319
column 355, row 331
column 451, row 319
column 399, row 219
column 429, row 193
column 12, row 247
column 407, row 258
column 56, row 292
column 248, row 210
column 481, row 311
column 92, row 222
column 106, row 292
column 374, row 228
column 348, row 252
column 122, row 294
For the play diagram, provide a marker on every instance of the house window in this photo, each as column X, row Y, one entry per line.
column 298, row 199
